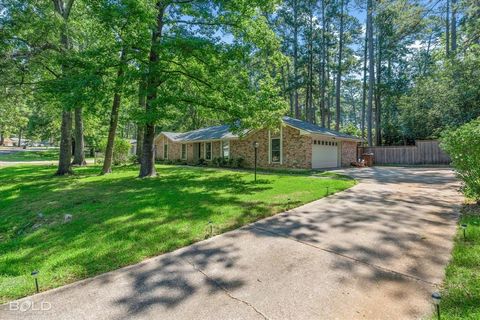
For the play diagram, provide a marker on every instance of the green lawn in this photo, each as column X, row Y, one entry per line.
column 461, row 294
column 22, row 155
column 119, row 219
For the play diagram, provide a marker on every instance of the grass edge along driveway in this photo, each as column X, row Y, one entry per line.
column 118, row 219
column 461, row 290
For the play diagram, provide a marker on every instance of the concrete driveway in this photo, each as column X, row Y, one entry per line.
column 375, row 251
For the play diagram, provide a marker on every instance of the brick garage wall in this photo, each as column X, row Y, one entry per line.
column 297, row 149
column 349, row 153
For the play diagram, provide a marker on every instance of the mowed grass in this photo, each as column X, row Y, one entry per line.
column 119, row 219
column 33, row 155
column 461, row 294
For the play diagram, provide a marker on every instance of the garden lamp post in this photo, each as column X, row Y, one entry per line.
column 34, row 275
column 436, row 297
column 464, row 227
column 255, row 146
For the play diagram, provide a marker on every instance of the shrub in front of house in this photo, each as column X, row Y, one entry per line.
column 463, row 146
column 220, row 162
column 180, row 162
column 238, row 162
column 228, row 162
column 201, row 162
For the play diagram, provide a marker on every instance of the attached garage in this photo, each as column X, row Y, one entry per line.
column 325, row 153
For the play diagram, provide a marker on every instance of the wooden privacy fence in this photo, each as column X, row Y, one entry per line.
column 423, row 152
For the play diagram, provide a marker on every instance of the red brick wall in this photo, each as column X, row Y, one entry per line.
column 297, row 149
column 348, row 152
column 174, row 148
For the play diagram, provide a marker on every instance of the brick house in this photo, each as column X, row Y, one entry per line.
column 296, row 144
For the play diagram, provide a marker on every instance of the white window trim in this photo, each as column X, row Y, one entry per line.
column 186, row 151
column 270, row 147
column 205, row 151
column 222, row 143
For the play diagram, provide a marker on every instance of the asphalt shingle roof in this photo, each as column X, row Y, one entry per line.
column 312, row 128
column 209, row 133
column 223, row 132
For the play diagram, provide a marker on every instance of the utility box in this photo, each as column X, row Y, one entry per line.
column 368, row 159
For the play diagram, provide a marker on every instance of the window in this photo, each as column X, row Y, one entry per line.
column 165, row 151
column 208, row 151
column 184, row 152
column 275, row 149
column 226, row 149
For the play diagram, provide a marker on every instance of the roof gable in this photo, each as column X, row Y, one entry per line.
column 314, row 129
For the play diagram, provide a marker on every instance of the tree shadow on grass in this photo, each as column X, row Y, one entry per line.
column 118, row 219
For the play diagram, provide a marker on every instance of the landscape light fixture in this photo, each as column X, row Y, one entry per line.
column 464, row 227
column 211, row 228
column 255, row 146
column 34, row 275
column 437, row 297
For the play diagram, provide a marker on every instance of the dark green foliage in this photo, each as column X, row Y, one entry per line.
column 238, row 162
column 121, row 149
column 463, row 146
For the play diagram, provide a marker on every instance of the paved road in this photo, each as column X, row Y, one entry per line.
column 375, row 251
column 10, row 150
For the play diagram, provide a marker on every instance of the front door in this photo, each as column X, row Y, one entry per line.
column 197, row 152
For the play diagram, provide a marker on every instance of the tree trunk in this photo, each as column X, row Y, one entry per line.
column 65, row 144
column 311, row 111
column 117, row 100
column 79, row 151
column 378, row 93
column 107, row 162
column 447, row 29
column 295, row 58
column 454, row 26
column 19, row 144
column 140, row 125
column 339, row 71
column 290, row 94
column 64, row 162
column 364, row 88
column 328, row 114
column 322, row 72
column 2, row 138
column 371, row 71
column 147, row 165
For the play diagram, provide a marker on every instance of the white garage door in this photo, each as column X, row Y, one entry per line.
column 324, row 154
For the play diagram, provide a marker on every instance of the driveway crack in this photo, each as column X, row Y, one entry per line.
column 372, row 265
column 225, row 290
